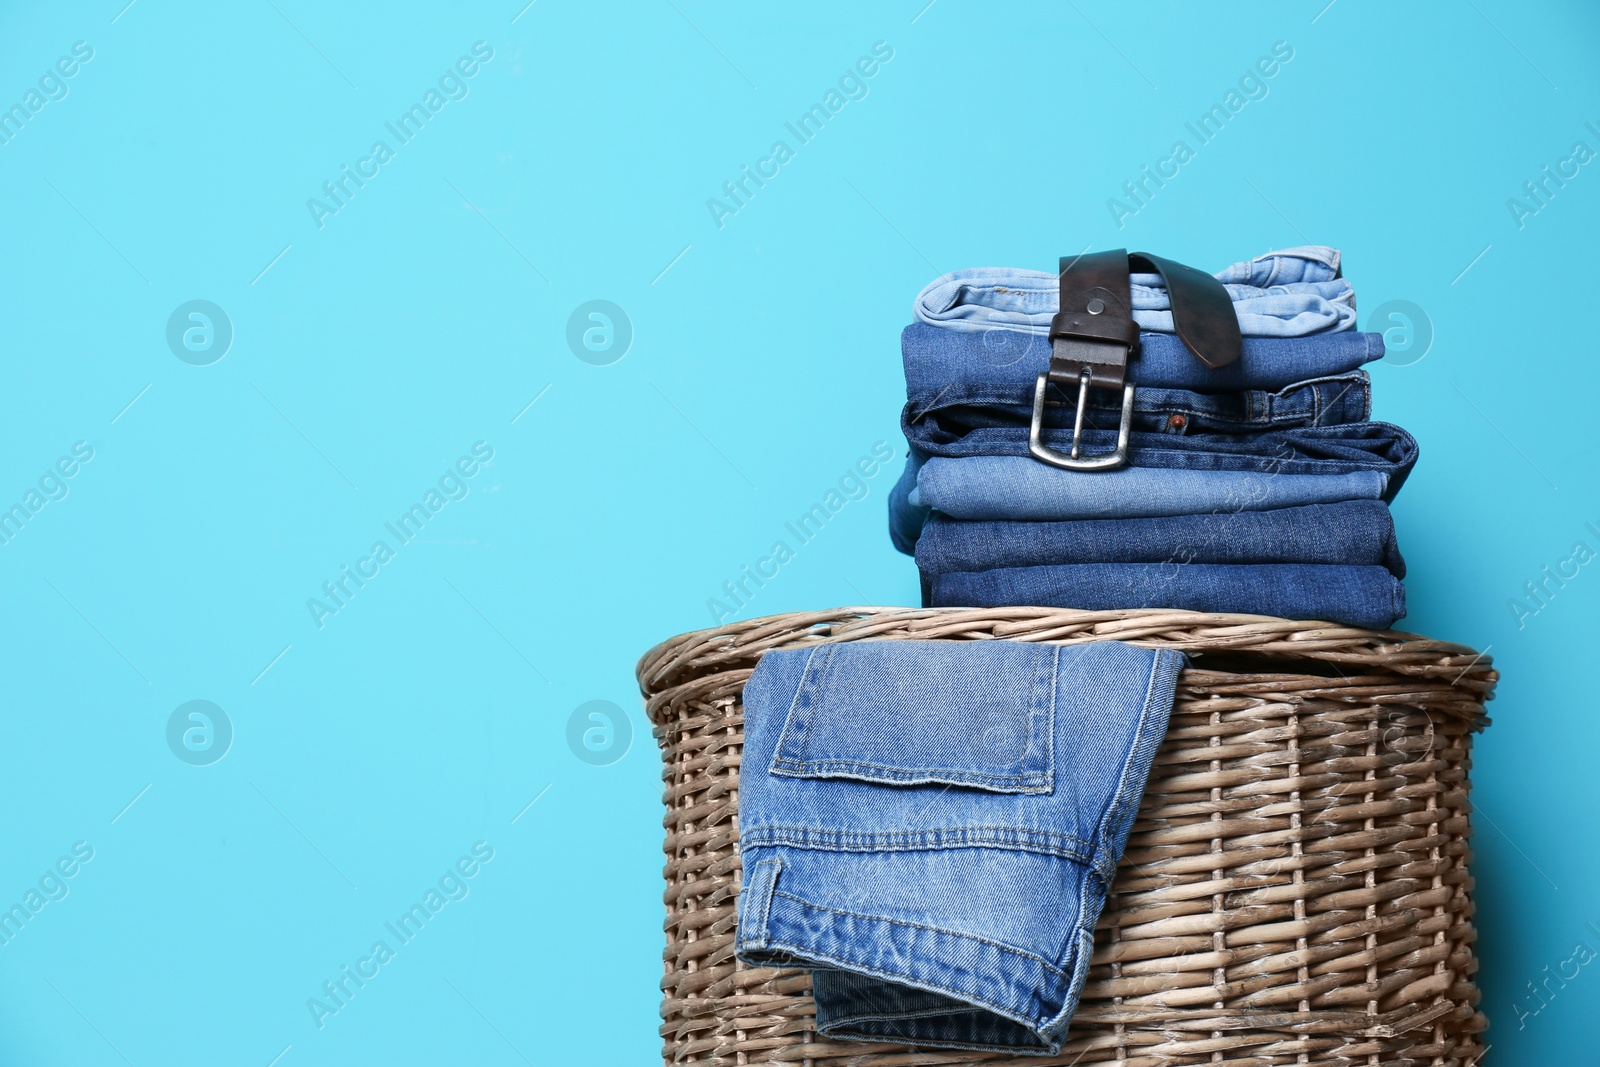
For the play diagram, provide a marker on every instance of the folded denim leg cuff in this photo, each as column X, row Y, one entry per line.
column 932, row 827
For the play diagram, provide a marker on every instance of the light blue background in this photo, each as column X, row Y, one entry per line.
column 423, row 317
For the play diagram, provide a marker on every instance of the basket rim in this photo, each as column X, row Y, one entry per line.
column 1395, row 651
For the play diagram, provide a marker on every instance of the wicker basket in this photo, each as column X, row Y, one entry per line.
column 1296, row 889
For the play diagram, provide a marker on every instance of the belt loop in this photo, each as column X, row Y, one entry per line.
column 756, row 903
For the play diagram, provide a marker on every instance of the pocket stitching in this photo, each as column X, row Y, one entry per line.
column 806, row 678
column 1036, row 720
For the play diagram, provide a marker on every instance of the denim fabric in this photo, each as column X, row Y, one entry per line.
column 1368, row 597
column 937, row 358
column 932, row 826
column 1373, row 448
column 1010, row 487
column 1378, row 446
column 1303, row 263
column 987, row 298
column 977, row 423
column 1330, row 401
column 905, row 518
column 1354, row 532
column 1290, row 293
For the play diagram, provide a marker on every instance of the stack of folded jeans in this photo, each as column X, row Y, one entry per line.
column 1260, row 487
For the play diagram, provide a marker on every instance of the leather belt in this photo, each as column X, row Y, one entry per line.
column 1093, row 339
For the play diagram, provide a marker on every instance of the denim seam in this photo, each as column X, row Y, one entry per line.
column 803, row 954
column 1198, row 462
column 1047, row 712
column 794, row 702
column 1045, row 1048
column 1367, row 460
column 998, row 946
column 763, row 884
column 1089, row 906
column 813, row 683
column 1144, row 734
column 1373, row 446
column 891, row 1016
column 1001, row 392
column 1032, row 782
column 1007, row 838
column 1083, row 955
column 1266, row 412
column 1026, row 782
column 1259, row 403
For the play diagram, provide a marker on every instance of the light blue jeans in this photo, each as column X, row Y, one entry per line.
column 1168, row 471
column 1291, row 293
column 932, row 827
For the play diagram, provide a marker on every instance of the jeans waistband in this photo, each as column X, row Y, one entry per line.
column 1327, row 401
column 1339, row 449
column 998, row 297
column 936, row 358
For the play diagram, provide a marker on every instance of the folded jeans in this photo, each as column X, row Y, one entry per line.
column 1349, row 446
column 1354, row 532
column 1011, row 487
column 932, row 826
column 937, row 358
column 1368, row 597
column 1292, row 293
column 1329, row 401
column 1004, row 487
column 1302, row 263
column 1338, row 449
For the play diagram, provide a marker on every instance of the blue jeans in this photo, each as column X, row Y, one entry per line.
column 1011, row 487
column 1372, row 458
column 937, row 358
column 1303, row 263
column 1281, row 294
column 975, row 421
column 1368, row 597
column 1356, row 532
column 1293, row 450
column 932, row 826
column 1330, row 401
column 1000, row 298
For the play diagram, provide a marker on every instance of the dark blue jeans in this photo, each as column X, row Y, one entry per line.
column 1368, row 597
column 1356, row 532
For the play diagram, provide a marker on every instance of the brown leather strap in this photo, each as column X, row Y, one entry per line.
column 1202, row 311
column 1094, row 329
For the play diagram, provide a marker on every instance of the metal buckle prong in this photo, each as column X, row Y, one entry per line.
column 1103, row 462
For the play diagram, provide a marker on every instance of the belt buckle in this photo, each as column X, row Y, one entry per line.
column 1106, row 461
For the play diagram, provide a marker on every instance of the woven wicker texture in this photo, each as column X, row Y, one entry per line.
column 1295, row 891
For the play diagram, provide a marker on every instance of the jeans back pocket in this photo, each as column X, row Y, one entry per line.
column 924, row 713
